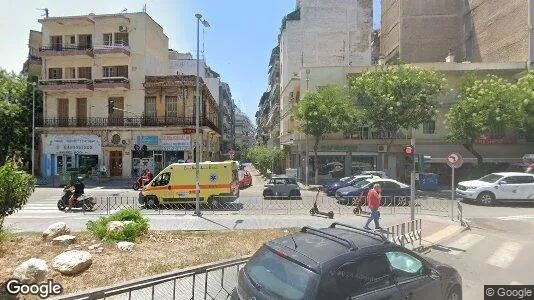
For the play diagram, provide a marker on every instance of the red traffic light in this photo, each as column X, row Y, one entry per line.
column 408, row 150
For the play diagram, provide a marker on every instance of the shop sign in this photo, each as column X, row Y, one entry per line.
column 338, row 148
column 147, row 140
column 72, row 144
column 176, row 142
column 189, row 130
column 495, row 141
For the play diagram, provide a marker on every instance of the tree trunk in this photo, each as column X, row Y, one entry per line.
column 470, row 147
column 316, row 160
column 385, row 161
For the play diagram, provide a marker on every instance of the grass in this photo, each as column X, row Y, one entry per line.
column 156, row 252
column 129, row 233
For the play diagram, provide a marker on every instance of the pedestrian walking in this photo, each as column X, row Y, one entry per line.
column 374, row 198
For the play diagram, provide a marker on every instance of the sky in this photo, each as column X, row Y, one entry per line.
column 237, row 45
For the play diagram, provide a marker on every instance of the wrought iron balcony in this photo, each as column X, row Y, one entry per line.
column 118, row 48
column 61, row 50
column 112, row 83
column 66, row 84
column 125, row 122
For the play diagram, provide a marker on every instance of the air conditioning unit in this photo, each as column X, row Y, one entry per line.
column 382, row 148
column 123, row 28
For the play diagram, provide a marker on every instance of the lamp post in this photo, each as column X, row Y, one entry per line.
column 197, row 109
column 33, row 84
column 305, row 136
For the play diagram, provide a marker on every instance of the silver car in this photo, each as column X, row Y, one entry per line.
column 282, row 187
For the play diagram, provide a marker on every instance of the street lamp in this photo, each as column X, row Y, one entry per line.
column 197, row 132
column 33, row 84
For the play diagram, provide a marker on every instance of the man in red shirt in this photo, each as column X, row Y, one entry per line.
column 373, row 197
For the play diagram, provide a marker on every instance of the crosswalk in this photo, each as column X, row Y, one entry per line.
column 499, row 254
column 514, row 218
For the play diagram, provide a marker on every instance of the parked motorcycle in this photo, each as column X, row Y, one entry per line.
column 85, row 202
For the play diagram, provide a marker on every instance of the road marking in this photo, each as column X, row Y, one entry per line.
column 505, row 255
column 465, row 242
column 509, row 218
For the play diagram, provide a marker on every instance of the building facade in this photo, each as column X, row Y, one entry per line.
column 227, row 119
column 244, row 129
column 96, row 113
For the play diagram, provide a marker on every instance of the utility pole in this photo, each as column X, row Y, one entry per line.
column 412, row 180
column 305, row 136
column 197, row 132
column 33, row 84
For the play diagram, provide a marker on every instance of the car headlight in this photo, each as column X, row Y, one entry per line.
column 471, row 187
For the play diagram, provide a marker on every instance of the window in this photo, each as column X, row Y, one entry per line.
column 171, row 106
column 55, row 73
column 490, row 178
column 71, row 39
column 70, row 73
column 84, row 72
column 405, row 267
column 162, row 179
column 150, row 107
column 389, row 185
column 363, row 276
column 280, row 181
column 429, row 127
column 519, row 179
column 121, row 38
column 85, row 41
column 115, row 71
column 108, row 39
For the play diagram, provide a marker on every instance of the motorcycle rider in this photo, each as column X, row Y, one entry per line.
column 147, row 177
column 78, row 188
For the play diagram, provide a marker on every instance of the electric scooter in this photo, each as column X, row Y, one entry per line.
column 315, row 210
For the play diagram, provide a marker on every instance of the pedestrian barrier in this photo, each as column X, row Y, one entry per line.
column 301, row 205
column 406, row 233
column 210, row 281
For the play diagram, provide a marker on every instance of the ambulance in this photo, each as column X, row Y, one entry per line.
column 219, row 182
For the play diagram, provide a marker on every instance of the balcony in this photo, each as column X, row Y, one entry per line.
column 80, row 84
column 65, row 50
column 124, row 122
column 119, row 49
column 287, row 138
column 121, row 83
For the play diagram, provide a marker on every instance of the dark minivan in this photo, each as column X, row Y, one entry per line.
column 343, row 262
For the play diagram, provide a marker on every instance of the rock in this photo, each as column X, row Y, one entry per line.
column 115, row 226
column 33, row 270
column 99, row 250
column 125, row 246
column 95, row 246
column 72, row 262
column 64, row 240
column 55, row 230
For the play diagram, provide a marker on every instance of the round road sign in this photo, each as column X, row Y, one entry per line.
column 455, row 160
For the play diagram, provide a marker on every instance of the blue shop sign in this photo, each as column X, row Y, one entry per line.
column 147, row 140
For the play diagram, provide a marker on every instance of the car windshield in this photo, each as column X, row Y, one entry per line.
column 361, row 184
column 491, row 178
column 280, row 277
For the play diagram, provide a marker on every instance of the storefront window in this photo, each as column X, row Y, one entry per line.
column 330, row 167
column 363, row 163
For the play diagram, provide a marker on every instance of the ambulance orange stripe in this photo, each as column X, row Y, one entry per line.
column 189, row 187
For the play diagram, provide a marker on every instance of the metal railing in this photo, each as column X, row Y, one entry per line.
column 65, row 81
column 111, row 80
column 406, row 233
column 210, row 281
column 65, row 47
column 244, row 205
column 123, row 121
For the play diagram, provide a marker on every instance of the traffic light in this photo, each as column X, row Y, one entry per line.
column 111, row 106
column 408, row 152
column 422, row 160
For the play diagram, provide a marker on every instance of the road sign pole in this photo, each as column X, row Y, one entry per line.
column 412, row 185
column 452, row 195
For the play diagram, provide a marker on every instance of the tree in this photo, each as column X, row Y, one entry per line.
column 485, row 107
column 263, row 158
column 329, row 110
column 526, row 84
column 396, row 97
column 16, row 187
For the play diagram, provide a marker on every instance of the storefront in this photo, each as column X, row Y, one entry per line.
column 61, row 153
column 162, row 151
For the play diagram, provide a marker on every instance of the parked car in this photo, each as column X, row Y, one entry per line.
column 380, row 174
column 390, row 189
column 331, row 189
column 497, row 187
column 282, row 186
column 245, row 179
column 343, row 262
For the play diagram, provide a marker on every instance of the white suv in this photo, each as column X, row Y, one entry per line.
column 506, row 186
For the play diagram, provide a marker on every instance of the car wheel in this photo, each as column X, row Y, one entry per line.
column 455, row 294
column 486, row 198
column 152, row 202
column 268, row 194
column 61, row 206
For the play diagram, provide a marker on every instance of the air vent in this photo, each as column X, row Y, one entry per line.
column 116, row 139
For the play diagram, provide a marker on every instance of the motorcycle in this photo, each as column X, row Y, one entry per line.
column 84, row 202
column 138, row 184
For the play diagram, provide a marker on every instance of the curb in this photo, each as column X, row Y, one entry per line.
column 439, row 236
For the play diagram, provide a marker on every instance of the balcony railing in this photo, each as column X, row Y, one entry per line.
column 61, row 49
column 124, row 121
column 120, row 48
column 112, row 82
column 66, row 84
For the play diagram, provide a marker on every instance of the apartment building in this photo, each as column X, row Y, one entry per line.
column 33, row 64
column 244, row 129
column 227, row 118
column 476, row 31
column 94, row 70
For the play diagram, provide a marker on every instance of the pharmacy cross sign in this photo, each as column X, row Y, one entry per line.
column 455, row 160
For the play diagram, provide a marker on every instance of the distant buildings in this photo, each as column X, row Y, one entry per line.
column 244, row 129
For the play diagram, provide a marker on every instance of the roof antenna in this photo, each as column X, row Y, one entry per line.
column 124, row 10
column 46, row 12
column 144, row 7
